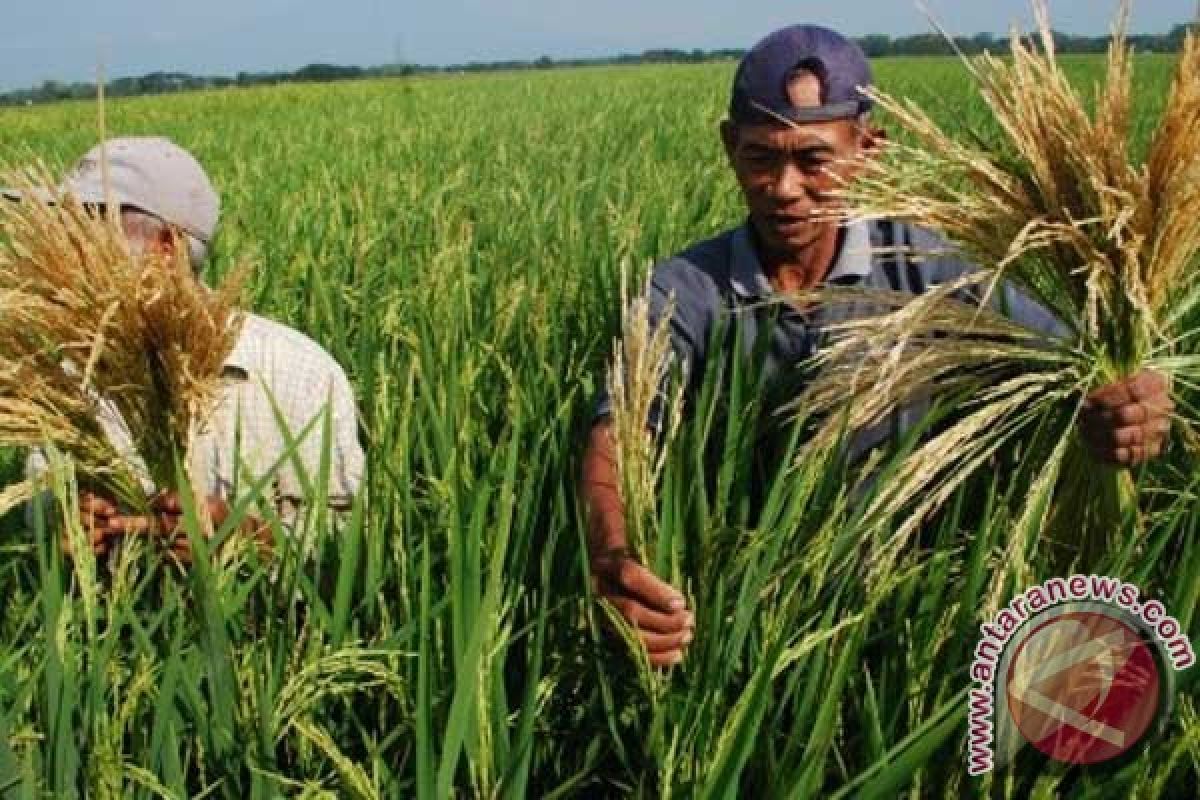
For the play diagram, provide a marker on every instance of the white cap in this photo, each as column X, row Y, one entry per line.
column 151, row 174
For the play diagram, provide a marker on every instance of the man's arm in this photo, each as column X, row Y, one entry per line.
column 347, row 460
column 96, row 512
column 655, row 609
column 165, row 524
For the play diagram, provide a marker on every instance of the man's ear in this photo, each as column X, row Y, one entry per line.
column 874, row 138
column 167, row 241
column 729, row 138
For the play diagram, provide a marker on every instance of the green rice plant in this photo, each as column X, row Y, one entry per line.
column 456, row 243
column 769, row 549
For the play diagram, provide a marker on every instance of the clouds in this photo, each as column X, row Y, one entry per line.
column 66, row 40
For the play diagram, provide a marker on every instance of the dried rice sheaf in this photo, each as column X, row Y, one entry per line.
column 1051, row 200
column 89, row 329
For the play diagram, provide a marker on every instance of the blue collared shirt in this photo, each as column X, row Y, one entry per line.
column 721, row 281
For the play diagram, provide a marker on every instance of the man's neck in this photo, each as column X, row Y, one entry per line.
column 798, row 271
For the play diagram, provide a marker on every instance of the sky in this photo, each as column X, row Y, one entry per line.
column 55, row 39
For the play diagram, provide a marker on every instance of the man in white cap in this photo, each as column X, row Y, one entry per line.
column 278, row 383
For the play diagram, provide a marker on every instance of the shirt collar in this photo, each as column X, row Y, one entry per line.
column 853, row 264
column 746, row 273
column 241, row 358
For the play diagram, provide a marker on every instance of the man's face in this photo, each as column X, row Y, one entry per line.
column 146, row 236
column 788, row 172
column 787, row 175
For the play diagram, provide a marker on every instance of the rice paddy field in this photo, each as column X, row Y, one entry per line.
column 457, row 243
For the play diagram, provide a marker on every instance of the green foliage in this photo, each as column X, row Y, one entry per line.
column 456, row 244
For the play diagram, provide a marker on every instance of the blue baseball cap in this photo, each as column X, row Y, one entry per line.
column 760, row 87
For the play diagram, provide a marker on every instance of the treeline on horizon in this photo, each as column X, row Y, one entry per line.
column 875, row 46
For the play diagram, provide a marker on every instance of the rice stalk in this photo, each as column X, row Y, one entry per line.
column 641, row 369
column 355, row 780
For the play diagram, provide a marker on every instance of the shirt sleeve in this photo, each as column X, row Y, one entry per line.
column 1021, row 308
column 679, row 289
column 37, row 465
column 942, row 264
column 346, row 459
column 346, row 462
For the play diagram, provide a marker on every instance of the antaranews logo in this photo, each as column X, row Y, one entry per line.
column 1080, row 668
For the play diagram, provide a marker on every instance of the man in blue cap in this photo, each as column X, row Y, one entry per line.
column 797, row 122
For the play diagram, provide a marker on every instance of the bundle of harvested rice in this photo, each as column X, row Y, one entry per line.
column 1054, row 202
column 92, row 331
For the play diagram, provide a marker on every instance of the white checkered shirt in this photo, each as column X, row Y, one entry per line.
column 274, row 374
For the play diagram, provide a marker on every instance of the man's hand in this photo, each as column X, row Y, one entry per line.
column 167, row 515
column 654, row 609
column 96, row 513
column 1127, row 423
